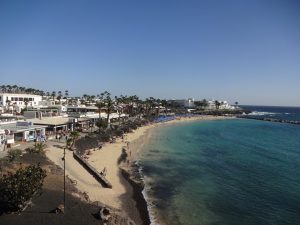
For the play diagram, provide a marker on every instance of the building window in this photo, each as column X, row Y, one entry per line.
column 20, row 99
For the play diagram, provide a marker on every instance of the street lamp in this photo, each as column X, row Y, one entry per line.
column 64, row 159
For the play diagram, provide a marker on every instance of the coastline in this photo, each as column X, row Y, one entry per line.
column 127, row 186
column 132, row 173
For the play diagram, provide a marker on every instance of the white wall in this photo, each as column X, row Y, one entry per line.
column 18, row 99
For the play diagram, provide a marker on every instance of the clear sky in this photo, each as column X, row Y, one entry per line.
column 244, row 50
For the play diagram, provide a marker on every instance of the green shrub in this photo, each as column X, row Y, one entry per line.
column 16, row 189
column 14, row 155
column 39, row 147
column 101, row 124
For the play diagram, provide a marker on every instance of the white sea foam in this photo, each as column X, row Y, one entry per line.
column 256, row 113
column 147, row 189
column 150, row 207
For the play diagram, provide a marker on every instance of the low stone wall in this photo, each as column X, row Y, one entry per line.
column 102, row 180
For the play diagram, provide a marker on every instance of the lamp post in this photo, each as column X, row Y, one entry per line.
column 64, row 159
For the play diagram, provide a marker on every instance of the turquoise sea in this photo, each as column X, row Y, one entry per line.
column 223, row 172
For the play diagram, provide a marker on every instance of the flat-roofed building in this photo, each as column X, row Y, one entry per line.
column 21, row 131
column 16, row 102
column 62, row 124
column 186, row 103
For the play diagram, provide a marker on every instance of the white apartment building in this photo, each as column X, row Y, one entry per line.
column 211, row 105
column 226, row 105
column 12, row 101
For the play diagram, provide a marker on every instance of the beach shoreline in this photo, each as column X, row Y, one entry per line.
column 131, row 171
column 126, row 193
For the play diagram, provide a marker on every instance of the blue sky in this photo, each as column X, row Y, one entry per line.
column 245, row 51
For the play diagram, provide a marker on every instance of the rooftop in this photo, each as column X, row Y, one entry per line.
column 13, row 127
column 51, row 121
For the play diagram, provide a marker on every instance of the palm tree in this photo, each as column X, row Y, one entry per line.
column 109, row 104
column 100, row 105
column 26, row 101
column 8, row 102
column 84, row 96
column 15, row 88
column 53, row 94
column 205, row 103
column 42, row 93
column 217, row 103
column 158, row 103
column 164, row 103
column 22, row 89
column 74, row 135
column 119, row 103
column 236, row 104
column 149, row 104
column 3, row 88
column 66, row 96
column 202, row 104
column 59, row 96
column 66, row 93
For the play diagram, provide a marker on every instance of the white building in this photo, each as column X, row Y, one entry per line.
column 226, row 105
column 16, row 102
column 20, row 131
column 223, row 105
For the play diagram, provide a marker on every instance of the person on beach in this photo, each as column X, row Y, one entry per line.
column 103, row 172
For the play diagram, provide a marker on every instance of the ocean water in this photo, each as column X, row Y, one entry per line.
column 226, row 172
column 276, row 112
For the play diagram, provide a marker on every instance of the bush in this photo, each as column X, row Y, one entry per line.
column 39, row 147
column 118, row 132
column 14, row 155
column 16, row 189
column 101, row 124
column 104, row 137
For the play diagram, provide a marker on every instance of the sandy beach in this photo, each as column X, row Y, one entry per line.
column 120, row 196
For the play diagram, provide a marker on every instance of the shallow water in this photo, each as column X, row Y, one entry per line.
column 224, row 172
